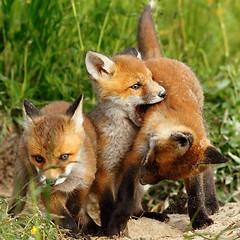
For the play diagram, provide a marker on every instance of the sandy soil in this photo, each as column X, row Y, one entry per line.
column 227, row 221
column 178, row 226
column 143, row 228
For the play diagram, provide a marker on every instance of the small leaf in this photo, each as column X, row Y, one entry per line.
column 228, row 179
column 234, row 157
column 223, row 84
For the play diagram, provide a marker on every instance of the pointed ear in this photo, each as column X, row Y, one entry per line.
column 71, row 110
column 213, row 156
column 98, row 65
column 75, row 112
column 30, row 112
column 132, row 51
column 183, row 141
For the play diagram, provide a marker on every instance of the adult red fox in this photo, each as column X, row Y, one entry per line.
column 58, row 149
column 124, row 87
column 172, row 143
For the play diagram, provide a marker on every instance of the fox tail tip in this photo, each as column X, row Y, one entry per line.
column 151, row 3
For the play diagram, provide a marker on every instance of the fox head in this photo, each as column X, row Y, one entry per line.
column 177, row 154
column 125, row 82
column 54, row 140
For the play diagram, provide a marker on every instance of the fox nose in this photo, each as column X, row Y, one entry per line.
column 162, row 94
column 51, row 181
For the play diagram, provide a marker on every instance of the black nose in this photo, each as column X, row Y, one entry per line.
column 162, row 94
column 50, row 181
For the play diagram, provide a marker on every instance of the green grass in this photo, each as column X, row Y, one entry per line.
column 43, row 46
column 28, row 226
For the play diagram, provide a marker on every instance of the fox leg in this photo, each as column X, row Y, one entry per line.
column 58, row 207
column 137, row 209
column 211, row 201
column 103, row 188
column 196, row 204
column 76, row 206
column 146, row 151
column 72, row 203
column 124, row 202
column 87, row 224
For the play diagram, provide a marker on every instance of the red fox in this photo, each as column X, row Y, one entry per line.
column 58, row 149
column 172, row 142
column 124, row 87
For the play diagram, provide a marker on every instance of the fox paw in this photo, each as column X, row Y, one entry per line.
column 116, row 226
column 162, row 217
column 69, row 224
column 212, row 207
column 201, row 223
column 92, row 228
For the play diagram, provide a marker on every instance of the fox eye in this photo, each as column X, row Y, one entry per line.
column 64, row 157
column 39, row 158
column 136, row 86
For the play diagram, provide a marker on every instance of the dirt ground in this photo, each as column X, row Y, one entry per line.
column 226, row 225
column 8, row 148
column 178, row 226
column 227, row 220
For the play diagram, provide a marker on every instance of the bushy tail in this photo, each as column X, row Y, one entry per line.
column 147, row 39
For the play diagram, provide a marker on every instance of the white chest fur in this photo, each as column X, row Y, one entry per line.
column 113, row 123
column 120, row 137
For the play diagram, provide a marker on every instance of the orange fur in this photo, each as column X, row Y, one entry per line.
column 59, row 107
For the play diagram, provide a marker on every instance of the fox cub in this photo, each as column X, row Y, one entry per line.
column 58, row 149
column 124, row 87
column 172, row 143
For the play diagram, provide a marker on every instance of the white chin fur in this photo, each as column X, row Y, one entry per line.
column 60, row 178
column 63, row 177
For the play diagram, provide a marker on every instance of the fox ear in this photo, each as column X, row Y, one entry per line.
column 98, row 65
column 30, row 112
column 132, row 51
column 213, row 156
column 75, row 112
column 183, row 141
